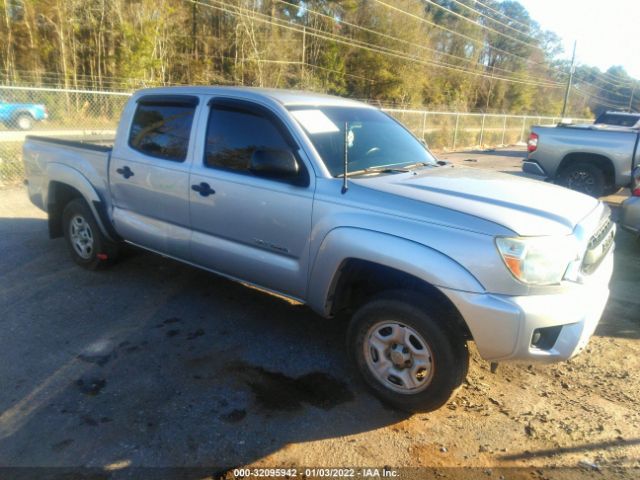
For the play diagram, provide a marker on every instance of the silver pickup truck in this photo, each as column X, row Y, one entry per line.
column 334, row 204
column 593, row 159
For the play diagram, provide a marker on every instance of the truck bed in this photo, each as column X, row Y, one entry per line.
column 98, row 145
column 80, row 158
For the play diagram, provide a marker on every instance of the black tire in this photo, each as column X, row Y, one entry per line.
column 98, row 251
column 449, row 357
column 23, row 121
column 584, row 177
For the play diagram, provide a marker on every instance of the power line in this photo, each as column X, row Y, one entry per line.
column 222, row 6
column 599, row 88
column 466, row 37
column 495, row 20
column 500, row 13
column 406, row 42
column 449, row 11
column 601, row 101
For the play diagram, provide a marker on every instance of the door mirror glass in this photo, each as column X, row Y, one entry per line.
column 274, row 164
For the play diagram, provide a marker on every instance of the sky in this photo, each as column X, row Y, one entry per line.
column 607, row 31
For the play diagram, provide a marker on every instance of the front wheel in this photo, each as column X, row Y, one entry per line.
column 88, row 247
column 406, row 351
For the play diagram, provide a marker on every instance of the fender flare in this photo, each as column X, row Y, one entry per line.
column 57, row 172
column 413, row 258
column 16, row 113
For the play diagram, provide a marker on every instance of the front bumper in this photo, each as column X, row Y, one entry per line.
column 503, row 326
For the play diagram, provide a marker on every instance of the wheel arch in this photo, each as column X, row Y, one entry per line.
column 353, row 264
column 23, row 111
column 603, row 162
column 66, row 184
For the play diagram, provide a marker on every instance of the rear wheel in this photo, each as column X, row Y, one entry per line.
column 407, row 352
column 584, row 177
column 24, row 121
column 89, row 248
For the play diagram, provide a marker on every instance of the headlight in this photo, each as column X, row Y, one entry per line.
column 538, row 260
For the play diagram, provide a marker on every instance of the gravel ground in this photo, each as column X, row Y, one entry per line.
column 156, row 364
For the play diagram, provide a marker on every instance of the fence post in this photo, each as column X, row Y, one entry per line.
column 424, row 125
column 524, row 121
column 455, row 131
column 504, row 130
column 482, row 130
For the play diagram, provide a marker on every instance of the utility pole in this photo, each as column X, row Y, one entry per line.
column 303, row 63
column 633, row 90
column 573, row 67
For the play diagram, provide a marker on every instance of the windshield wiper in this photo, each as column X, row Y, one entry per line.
column 412, row 166
column 381, row 169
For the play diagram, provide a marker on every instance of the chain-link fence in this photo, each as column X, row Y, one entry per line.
column 451, row 130
column 67, row 114
column 93, row 116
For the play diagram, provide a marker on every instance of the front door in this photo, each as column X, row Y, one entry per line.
column 245, row 225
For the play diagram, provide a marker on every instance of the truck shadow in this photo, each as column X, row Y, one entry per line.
column 153, row 364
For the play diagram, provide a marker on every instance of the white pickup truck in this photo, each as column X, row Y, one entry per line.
column 335, row 204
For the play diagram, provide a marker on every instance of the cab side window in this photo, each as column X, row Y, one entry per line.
column 233, row 134
column 161, row 129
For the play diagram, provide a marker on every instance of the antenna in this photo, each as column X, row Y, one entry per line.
column 345, row 185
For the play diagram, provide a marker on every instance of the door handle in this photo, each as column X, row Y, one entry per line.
column 203, row 189
column 125, row 171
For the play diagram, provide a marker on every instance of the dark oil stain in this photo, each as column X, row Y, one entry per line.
column 276, row 391
column 132, row 349
column 171, row 320
column 100, row 360
column 196, row 334
column 105, row 420
column 91, row 386
column 234, row 416
column 60, row 446
column 88, row 420
column 124, row 344
column 192, row 445
column 173, row 333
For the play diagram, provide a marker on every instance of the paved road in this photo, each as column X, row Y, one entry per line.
column 153, row 363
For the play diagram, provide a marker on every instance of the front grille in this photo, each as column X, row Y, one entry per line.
column 599, row 245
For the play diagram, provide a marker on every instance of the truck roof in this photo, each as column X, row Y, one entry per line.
column 287, row 98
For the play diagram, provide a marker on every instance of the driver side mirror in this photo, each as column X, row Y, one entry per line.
column 278, row 164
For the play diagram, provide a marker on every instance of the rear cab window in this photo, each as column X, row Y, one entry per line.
column 161, row 126
column 618, row 120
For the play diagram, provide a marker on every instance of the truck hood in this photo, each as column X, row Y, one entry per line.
column 527, row 207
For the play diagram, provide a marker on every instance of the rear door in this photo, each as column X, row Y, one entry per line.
column 249, row 227
column 149, row 174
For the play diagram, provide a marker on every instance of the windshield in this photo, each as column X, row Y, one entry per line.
column 374, row 139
